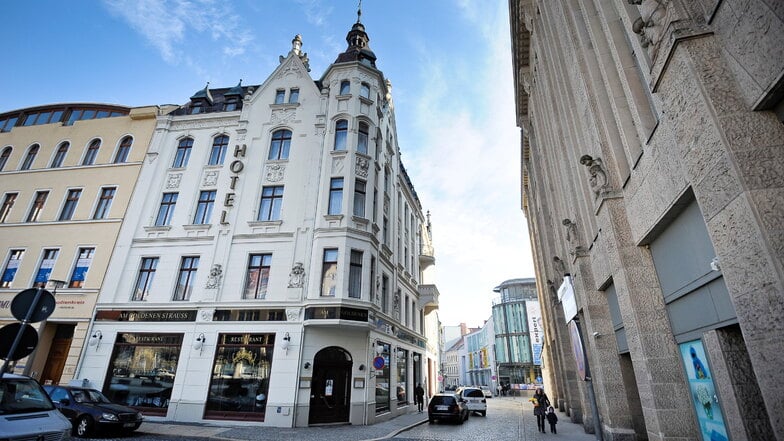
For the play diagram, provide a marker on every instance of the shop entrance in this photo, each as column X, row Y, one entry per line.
column 58, row 354
column 330, row 390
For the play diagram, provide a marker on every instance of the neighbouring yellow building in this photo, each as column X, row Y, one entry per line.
column 67, row 172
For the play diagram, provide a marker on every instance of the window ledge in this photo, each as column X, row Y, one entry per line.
column 269, row 223
column 284, row 106
column 157, row 228
column 360, row 220
column 333, row 217
column 338, row 152
column 364, row 100
column 344, row 97
column 197, row 227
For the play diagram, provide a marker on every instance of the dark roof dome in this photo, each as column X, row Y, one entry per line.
column 235, row 91
column 358, row 49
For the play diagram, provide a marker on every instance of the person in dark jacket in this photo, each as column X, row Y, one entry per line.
column 552, row 418
column 541, row 403
column 419, row 396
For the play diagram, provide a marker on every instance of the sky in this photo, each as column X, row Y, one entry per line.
column 449, row 62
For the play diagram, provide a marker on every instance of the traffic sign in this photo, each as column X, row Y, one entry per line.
column 25, row 300
column 26, row 346
column 378, row 362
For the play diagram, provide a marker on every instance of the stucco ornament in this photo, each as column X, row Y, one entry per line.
column 210, row 178
column 362, row 165
column 650, row 25
column 275, row 172
column 292, row 314
column 297, row 275
column 214, row 279
column 173, row 180
column 573, row 237
column 396, row 302
column 598, row 179
column 559, row 266
column 378, row 290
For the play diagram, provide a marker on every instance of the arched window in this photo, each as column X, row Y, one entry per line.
column 4, row 157
column 362, row 138
column 279, row 147
column 218, row 153
column 341, row 132
column 123, row 150
column 59, row 157
column 345, row 87
column 183, row 153
column 31, row 153
column 92, row 152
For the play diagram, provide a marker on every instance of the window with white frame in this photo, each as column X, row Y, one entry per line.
column 341, row 134
column 30, row 157
column 204, row 207
column 123, row 150
column 59, row 156
column 335, row 196
column 362, row 138
column 104, row 202
column 345, row 87
column 145, row 278
column 83, row 260
column 355, row 275
column 45, row 267
column 186, row 278
column 38, row 206
column 364, row 90
column 4, row 157
column 329, row 272
column 92, row 152
column 257, row 277
column 359, row 198
column 218, row 153
column 8, row 204
column 11, row 265
column 280, row 144
column 71, row 200
column 271, row 201
column 183, row 153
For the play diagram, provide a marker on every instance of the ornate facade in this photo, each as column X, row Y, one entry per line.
column 652, row 134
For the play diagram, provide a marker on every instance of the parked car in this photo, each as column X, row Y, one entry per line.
column 486, row 390
column 445, row 406
column 474, row 398
column 89, row 410
column 26, row 412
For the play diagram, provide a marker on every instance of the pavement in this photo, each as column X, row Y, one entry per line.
column 379, row 431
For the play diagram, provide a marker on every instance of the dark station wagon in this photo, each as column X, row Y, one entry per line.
column 445, row 406
column 89, row 410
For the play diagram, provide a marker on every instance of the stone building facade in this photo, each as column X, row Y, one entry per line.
column 651, row 181
column 277, row 268
column 67, row 172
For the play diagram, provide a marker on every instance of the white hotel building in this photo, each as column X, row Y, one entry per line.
column 273, row 267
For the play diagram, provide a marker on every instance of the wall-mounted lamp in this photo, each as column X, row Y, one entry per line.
column 361, row 367
column 400, row 353
column 379, row 348
column 714, row 264
column 198, row 344
column 307, row 365
column 95, row 339
column 56, row 284
column 416, row 357
column 286, row 342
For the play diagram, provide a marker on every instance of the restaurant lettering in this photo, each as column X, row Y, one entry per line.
column 235, row 167
column 147, row 316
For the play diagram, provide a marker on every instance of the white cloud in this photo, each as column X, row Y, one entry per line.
column 466, row 170
column 168, row 24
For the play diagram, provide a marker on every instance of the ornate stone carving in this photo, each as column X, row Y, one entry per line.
column 396, row 303
column 292, row 314
column 205, row 315
column 559, row 266
column 283, row 115
column 378, row 290
column 210, row 178
column 275, row 172
column 203, row 124
column 297, row 275
column 650, row 25
column 214, row 279
column 151, row 157
column 173, row 180
column 598, row 179
column 362, row 165
column 573, row 238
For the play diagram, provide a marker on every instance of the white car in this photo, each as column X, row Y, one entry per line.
column 486, row 391
column 475, row 399
column 26, row 412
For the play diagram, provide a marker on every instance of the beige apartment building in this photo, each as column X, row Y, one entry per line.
column 654, row 193
column 67, row 172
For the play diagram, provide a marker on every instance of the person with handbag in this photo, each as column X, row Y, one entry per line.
column 541, row 403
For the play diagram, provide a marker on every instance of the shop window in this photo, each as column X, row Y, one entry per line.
column 240, row 377
column 142, row 370
column 382, row 378
column 402, row 385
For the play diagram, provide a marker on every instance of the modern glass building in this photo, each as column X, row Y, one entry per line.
column 518, row 333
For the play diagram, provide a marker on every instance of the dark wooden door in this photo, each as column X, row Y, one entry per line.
column 58, row 354
column 330, row 391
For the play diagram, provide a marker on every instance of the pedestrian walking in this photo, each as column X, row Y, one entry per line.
column 419, row 396
column 552, row 418
column 541, row 403
column 499, row 388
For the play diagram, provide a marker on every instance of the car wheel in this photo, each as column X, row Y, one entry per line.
column 484, row 413
column 431, row 420
column 461, row 420
column 83, row 426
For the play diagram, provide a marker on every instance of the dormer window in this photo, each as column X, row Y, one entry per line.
column 231, row 104
column 200, row 100
column 197, row 107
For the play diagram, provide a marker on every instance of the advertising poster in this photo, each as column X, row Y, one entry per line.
column 577, row 351
column 535, row 330
column 703, row 391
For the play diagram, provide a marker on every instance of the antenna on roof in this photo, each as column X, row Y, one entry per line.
column 359, row 12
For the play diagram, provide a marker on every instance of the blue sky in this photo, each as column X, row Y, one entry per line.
column 449, row 62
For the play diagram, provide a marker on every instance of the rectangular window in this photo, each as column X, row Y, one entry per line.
column 359, row 198
column 364, row 90
column 271, row 201
column 401, row 391
column 375, row 203
column 166, row 210
column 385, row 230
column 355, row 275
column 293, row 96
column 186, row 278
column 204, row 207
column 70, row 204
column 145, row 278
column 83, row 261
column 257, row 277
column 280, row 96
column 104, row 203
column 372, row 279
column 38, row 206
column 45, row 268
column 8, row 204
column 345, row 87
column 382, row 379
column 335, row 195
column 329, row 272
column 142, row 370
column 240, row 377
column 14, row 259
column 384, row 293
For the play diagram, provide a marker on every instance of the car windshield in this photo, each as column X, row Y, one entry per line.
column 21, row 396
column 439, row 399
column 88, row 396
column 473, row 393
